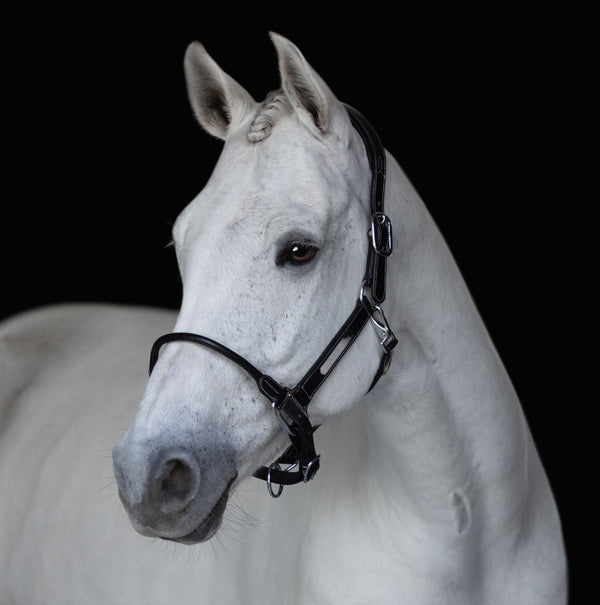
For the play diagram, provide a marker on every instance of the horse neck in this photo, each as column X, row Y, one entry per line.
column 445, row 426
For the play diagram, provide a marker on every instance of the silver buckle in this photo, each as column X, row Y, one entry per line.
column 306, row 472
column 284, row 425
column 381, row 234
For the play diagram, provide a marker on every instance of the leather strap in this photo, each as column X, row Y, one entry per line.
column 333, row 353
column 206, row 342
column 381, row 226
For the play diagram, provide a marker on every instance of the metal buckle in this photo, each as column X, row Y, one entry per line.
column 381, row 234
column 284, row 425
column 307, row 473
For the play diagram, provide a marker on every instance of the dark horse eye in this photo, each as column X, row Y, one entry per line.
column 301, row 253
column 297, row 253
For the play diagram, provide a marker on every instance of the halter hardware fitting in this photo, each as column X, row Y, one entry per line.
column 388, row 340
column 290, row 405
column 381, row 234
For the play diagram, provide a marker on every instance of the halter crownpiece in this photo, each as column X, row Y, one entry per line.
column 290, row 405
column 381, row 226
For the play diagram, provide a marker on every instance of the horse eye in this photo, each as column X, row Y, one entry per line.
column 302, row 253
column 297, row 253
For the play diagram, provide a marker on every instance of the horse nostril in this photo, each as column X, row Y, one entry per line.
column 175, row 484
column 177, row 480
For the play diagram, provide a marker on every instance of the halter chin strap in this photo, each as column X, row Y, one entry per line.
column 290, row 404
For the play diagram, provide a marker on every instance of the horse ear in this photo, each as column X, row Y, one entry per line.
column 307, row 92
column 218, row 101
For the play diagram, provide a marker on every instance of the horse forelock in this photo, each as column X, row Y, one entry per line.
column 267, row 114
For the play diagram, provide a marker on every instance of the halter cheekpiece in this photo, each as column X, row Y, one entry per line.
column 300, row 461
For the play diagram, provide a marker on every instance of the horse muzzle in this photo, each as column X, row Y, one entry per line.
column 166, row 493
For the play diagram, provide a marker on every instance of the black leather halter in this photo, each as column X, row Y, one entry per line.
column 290, row 405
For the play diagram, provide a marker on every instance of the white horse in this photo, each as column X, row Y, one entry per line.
column 430, row 488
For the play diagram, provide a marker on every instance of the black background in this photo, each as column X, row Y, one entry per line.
column 102, row 153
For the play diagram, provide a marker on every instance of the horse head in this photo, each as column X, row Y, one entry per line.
column 271, row 254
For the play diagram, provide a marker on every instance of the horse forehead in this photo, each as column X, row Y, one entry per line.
column 285, row 174
column 289, row 165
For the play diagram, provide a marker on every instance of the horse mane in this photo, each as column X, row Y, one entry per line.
column 267, row 114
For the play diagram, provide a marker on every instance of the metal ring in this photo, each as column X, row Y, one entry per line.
column 273, row 494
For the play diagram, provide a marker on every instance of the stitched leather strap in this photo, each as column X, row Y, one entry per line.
column 381, row 227
column 333, row 353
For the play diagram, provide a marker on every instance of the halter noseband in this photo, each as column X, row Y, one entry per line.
column 290, row 404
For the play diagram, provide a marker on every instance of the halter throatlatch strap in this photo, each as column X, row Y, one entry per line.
column 290, row 404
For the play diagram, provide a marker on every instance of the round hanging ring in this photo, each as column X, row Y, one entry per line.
column 269, row 485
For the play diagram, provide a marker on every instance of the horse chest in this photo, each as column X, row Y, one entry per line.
column 353, row 547
column 352, row 558
column 346, row 559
